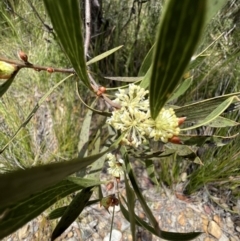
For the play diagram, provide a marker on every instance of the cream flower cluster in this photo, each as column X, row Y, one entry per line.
column 134, row 118
column 115, row 166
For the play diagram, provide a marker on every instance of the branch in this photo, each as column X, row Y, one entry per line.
column 87, row 26
column 36, row 67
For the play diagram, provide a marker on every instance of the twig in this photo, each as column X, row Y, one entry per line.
column 38, row 16
column 37, row 67
column 87, row 26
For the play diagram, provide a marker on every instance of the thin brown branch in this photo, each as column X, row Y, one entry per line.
column 87, row 26
column 20, row 65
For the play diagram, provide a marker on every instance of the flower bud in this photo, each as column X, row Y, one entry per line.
column 6, row 70
column 23, row 56
column 175, row 140
column 50, row 70
column 110, row 186
column 101, row 90
column 109, row 201
column 181, row 120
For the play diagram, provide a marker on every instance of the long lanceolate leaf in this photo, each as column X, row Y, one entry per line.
column 155, row 227
column 164, row 235
column 15, row 216
column 21, row 184
column 138, row 193
column 179, row 32
column 66, row 20
column 73, row 210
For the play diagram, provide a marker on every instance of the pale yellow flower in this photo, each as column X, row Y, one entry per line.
column 165, row 126
column 134, row 118
column 115, row 166
column 133, row 97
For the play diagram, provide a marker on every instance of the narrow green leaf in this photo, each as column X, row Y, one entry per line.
column 206, row 139
column 151, row 171
column 165, row 235
column 181, row 89
column 130, row 203
column 103, row 55
column 66, row 20
column 214, row 114
column 15, row 216
column 84, row 134
column 200, row 110
column 147, row 62
column 58, row 212
column 220, row 122
column 97, row 166
column 72, row 212
column 84, row 182
column 176, row 43
column 146, row 79
column 21, row 184
column 141, row 199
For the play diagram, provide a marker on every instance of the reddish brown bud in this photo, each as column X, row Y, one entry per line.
column 109, row 201
column 181, row 120
column 110, row 186
column 50, row 70
column 23, row 56
column 175, row 140
column 101, row 90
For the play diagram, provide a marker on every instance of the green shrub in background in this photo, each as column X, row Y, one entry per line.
column 144, row 113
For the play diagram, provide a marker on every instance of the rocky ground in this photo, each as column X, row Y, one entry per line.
column 173, row 211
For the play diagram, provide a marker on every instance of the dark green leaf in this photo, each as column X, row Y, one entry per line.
column 198, row 111
column 21, row 184
column 15, row 216
column 131, row 203
column 151, row 171
column 176, row 43
column 210, row 140
column 58, row 212
column 66, row 20
column 141, row 199
column 165, row 235
column 72, row 212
